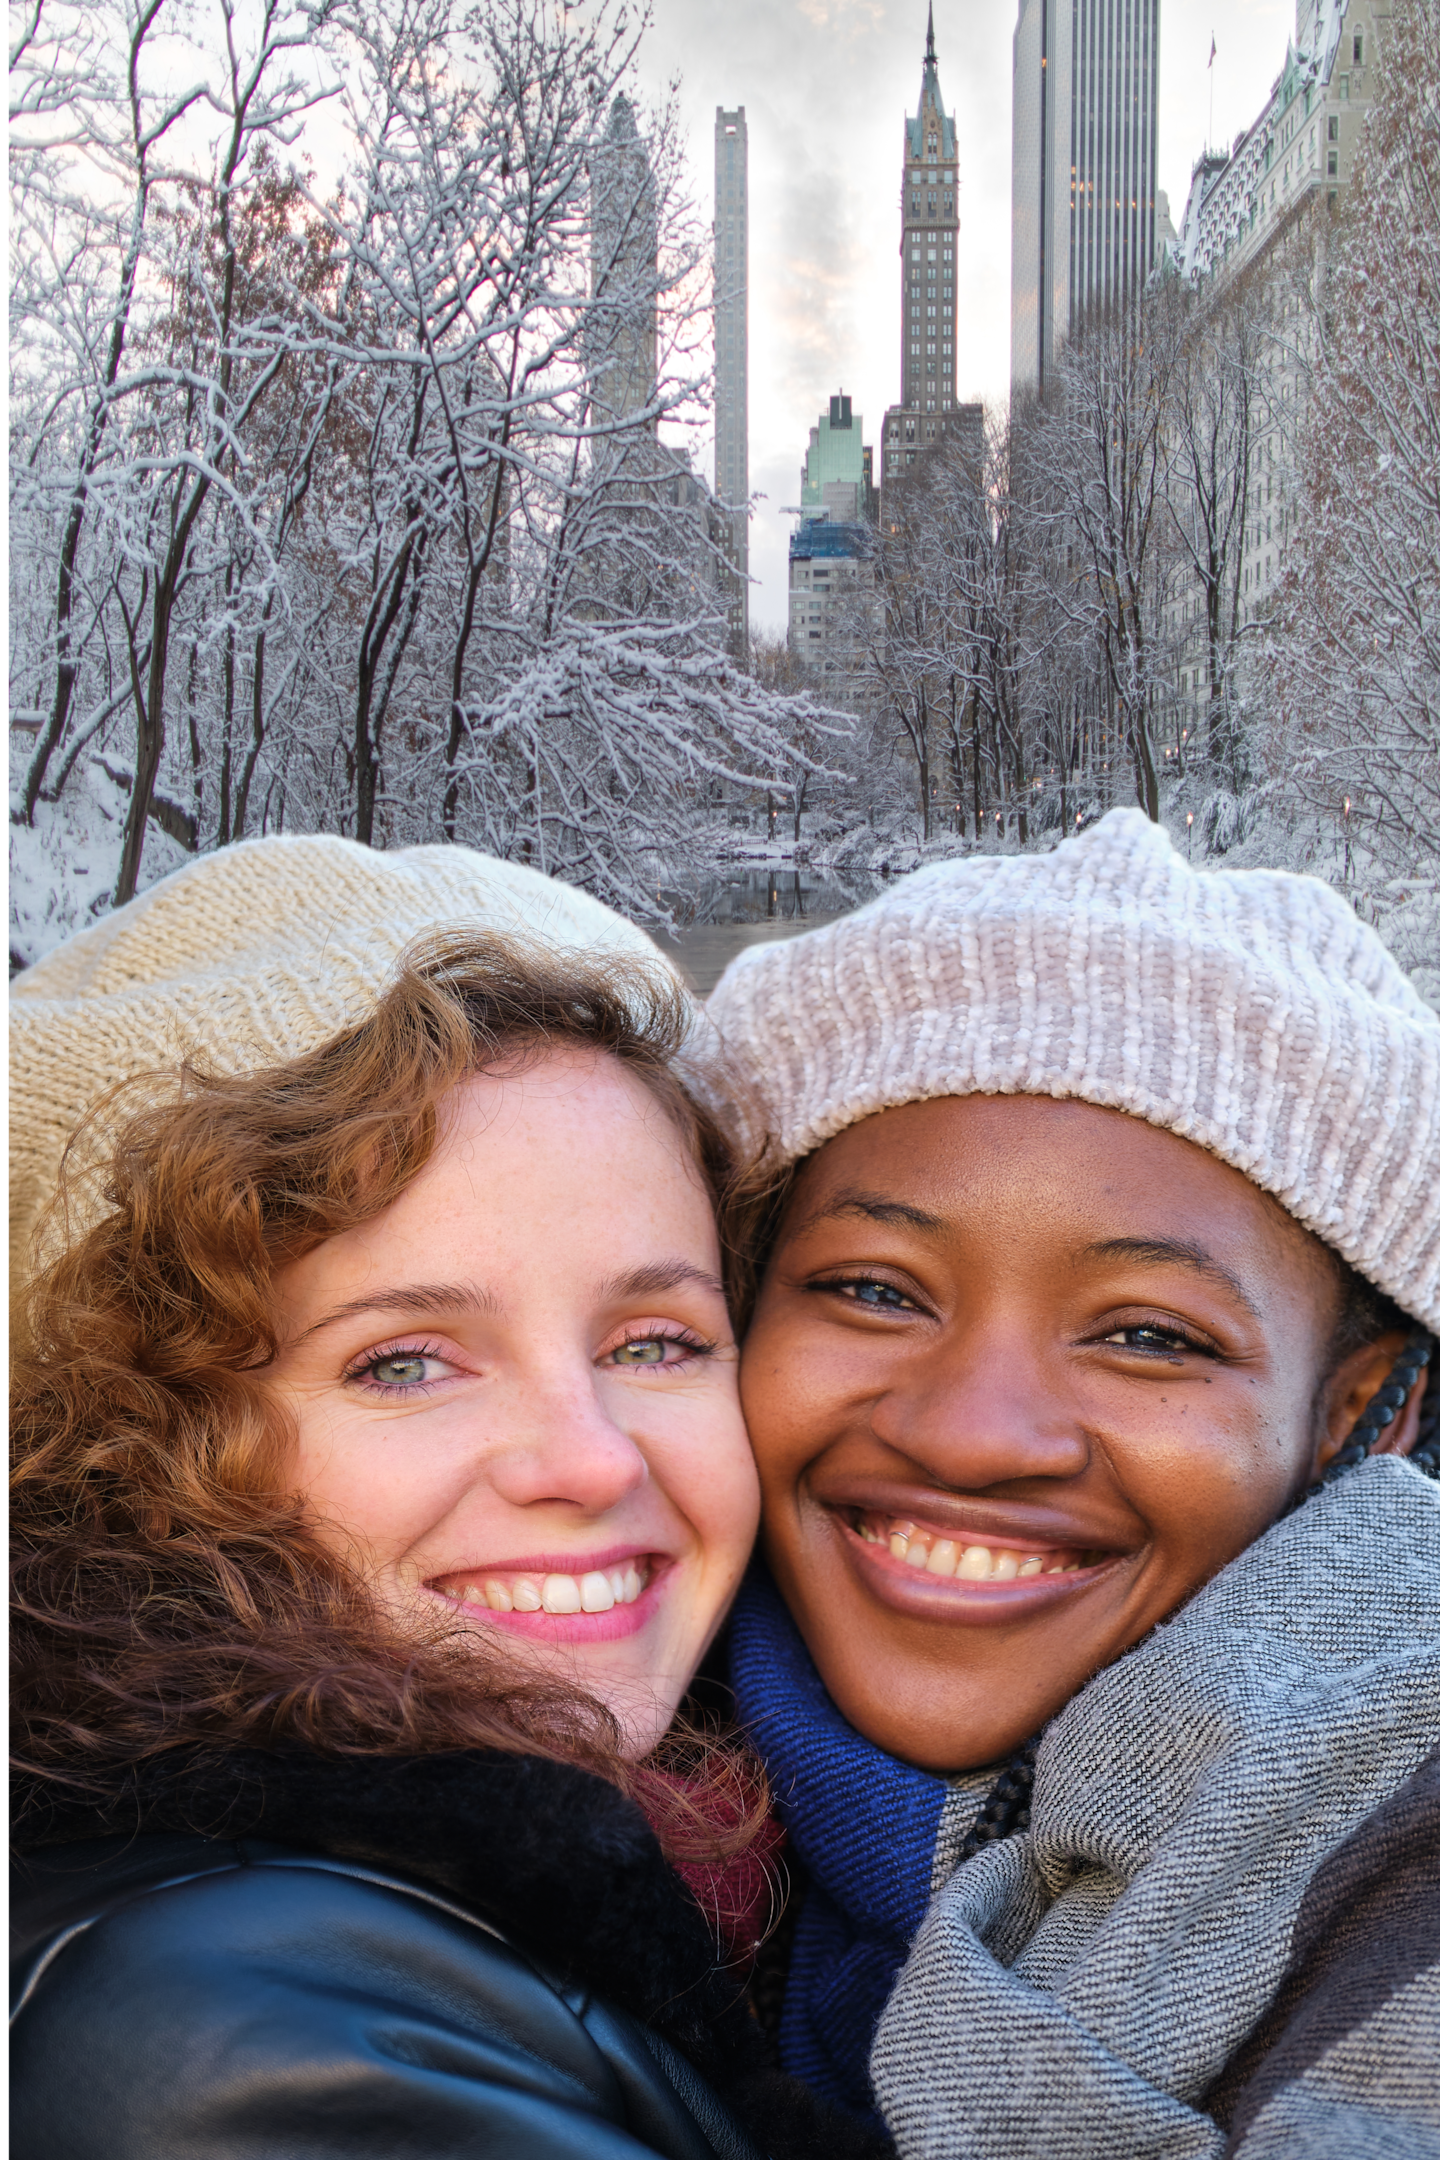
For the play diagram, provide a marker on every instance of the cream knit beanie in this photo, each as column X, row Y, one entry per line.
column 1247, row 1010
column 253, row 954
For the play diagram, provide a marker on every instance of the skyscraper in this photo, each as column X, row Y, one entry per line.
column 929, row 236
column 732, row 407
column 624, row 250
column 1086, row 83
column 929, row 225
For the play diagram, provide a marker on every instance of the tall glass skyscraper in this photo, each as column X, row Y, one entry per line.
column 1086, row 82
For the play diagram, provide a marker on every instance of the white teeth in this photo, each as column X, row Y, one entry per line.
column 947, row 1557
column 594, row 1592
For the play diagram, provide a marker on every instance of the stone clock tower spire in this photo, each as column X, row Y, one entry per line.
column 929, row 225
column 929, row 231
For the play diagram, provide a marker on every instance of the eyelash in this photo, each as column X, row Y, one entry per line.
column 385, row 1355
column 1176, row 1338
column 683, row 1337
column 838, row 1285
column 363, row 1370
column 1170, row 1337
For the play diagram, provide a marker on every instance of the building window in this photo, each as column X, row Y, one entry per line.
column 1332, row 165
column 1345, row 88
column 1332, row 128
column 1357, row 50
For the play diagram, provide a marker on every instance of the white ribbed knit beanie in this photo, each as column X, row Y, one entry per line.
column 1247, row 1010
column 251, row 955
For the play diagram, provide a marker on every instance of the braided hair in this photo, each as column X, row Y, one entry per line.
column 1006, row 1807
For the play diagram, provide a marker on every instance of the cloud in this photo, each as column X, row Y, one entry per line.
column 826, row 85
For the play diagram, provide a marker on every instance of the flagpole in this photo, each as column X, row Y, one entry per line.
column 1210, row 70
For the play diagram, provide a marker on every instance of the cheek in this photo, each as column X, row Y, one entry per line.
column 1210, row 1469
column 371, row 1486
column 707, row 1473
column 793, row 1390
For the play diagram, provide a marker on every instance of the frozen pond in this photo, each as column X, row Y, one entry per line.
column 753, row 906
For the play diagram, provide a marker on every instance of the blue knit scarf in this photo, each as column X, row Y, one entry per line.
column 863, row 1827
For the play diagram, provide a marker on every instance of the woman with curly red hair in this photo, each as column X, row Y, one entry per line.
column 380, row 1485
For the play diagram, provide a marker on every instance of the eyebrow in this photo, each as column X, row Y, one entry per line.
column 1173, row 1252
column 872, row 1207
column 656, row 1278
column 413, row 1298
column 650, row 1281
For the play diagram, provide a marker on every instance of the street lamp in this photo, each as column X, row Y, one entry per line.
column 1189, row 822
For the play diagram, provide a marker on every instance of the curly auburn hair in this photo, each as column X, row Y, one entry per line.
column 168, row 1592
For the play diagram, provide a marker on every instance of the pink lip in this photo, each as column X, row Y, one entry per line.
column 606, row 1627
column 552, row 1563
column 957, row 1603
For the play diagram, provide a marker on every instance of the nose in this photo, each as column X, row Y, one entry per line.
column 976, row 1411
column 558, row 1445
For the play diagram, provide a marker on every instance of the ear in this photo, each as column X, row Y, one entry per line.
column 1348, row 1394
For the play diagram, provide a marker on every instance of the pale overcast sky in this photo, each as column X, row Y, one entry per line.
column 826, row 85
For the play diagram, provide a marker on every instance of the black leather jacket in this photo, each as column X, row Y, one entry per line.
column 378, row 1959
column 178, row 1996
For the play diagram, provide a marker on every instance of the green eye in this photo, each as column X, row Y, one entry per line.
column 649, row 1352
column 399, row 1371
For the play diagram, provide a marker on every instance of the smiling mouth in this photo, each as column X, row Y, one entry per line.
column 931, row 1553
column 598, row 1590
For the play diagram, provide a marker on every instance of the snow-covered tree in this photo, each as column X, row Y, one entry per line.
column 1352, row 662
column 348, row 486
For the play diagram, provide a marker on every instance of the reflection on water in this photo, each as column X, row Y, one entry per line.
column 753, row 907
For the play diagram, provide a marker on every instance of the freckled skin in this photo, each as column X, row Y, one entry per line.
column 1117, row 1400
column 518, row 1419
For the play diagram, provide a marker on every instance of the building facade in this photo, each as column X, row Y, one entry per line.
column 732, row 360
column 1082, row 164
column 929, row 227
column 1253, row 235
column 835, row 478
column 832, row 549
column 929, row 247
column 832, row 583
column 624, row 254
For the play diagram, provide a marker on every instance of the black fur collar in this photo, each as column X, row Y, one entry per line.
column 564, row 1865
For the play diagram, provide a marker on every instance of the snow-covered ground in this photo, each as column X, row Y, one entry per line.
column 63, row 869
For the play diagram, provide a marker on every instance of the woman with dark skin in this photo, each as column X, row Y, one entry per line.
column 1046, row 1356
column 1034, row 1329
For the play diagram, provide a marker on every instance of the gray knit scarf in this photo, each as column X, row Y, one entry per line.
column 1075, row 1990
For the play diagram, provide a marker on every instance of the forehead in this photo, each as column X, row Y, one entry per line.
column 976, row 1163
